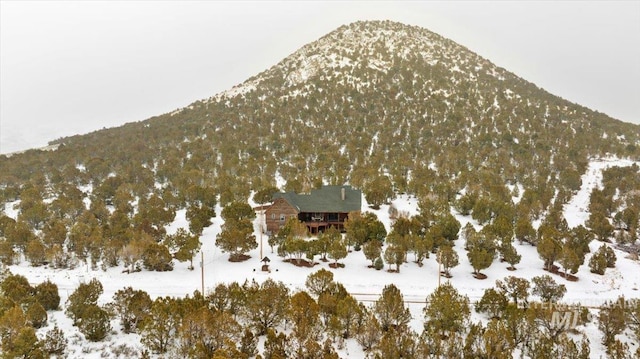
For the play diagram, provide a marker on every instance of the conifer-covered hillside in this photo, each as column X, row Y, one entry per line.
column 371, row 102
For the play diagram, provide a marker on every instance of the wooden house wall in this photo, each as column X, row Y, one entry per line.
column 278, row 213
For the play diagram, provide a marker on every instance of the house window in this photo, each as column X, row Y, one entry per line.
column 332, row 217
column 282, row 217
column 273, row 216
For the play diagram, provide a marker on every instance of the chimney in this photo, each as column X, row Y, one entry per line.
column 343, row 193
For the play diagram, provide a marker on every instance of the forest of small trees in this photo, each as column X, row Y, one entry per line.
column 315, row 322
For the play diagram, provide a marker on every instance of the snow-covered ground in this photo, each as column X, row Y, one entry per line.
column 366, row 284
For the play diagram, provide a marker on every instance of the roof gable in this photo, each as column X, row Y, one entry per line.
column 326, row 199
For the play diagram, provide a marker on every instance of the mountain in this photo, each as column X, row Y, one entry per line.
column 455, row 156
column 369, row 101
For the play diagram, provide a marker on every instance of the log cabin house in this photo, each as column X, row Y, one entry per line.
column 320, row 209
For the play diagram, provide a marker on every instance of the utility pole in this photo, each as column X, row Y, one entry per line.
column 202, row 271
column 261, row 237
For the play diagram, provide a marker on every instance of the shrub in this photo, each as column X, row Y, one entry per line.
column 378, row 264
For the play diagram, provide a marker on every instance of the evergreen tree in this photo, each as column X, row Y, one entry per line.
column 480, row 258
column 304, row 315
column 569, row 260
column 131, row 307
column 524, row 231
column 248, row 343
column 46, row 293
column 274, row 345
column 266, row 305
column 447, row 258
column 611, row 320
column 372, row 250
column 55, row 343
column 493, row 303
column 94, row 323
column 547, row 288
column 36, row 315
column 184, row 245
column 598, row 263
column 510, row 255
column 549, row 249
column 515, row 288
column 395, row 254
column 319, row 282
column 398, row 343
column 390, row 309
column 337, row 251
column 159, row 328
column 156, row 257
column 370, row 333
column 350, row 315
column 446, row 312
column 237, row 238
column 632, row 311
column 85, row 296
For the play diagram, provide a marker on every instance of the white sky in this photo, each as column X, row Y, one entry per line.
column 77, row 66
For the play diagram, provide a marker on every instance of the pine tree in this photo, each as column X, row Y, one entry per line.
column 94, row 323
column 184, row 245
column 547, row 288
column 82, row 299
column 204, row 332
column 569, row 260
column 349, row 314
column 319, row 282
column 266, row 305
column 515, row 288
column 274, row 345
column 36, row 315
column 156, row 257
column 370, row 332
column 337, row 251
column 248, row 343
column 16, row 288
column 390, row 309
column 395, row 254
column 510, row 255
column 492, row 302
column 611, row 320
column 237, row 211
column 46, row 293
column 446, row 312
column 55, row 343
column 480, row 258
column 132, row 307
column 632, row 310
column 549, row 249
column 598, row 263
column 304, row 315
column 448, row 258
column 524, row 231
column 371, row 251
column 237, row 238
column 397, row 343
column 159, row 328
column 497, row 343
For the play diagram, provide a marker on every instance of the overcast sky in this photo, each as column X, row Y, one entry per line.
column 74, row 67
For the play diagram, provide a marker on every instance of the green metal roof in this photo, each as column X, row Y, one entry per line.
column 327, row 199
